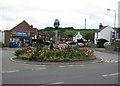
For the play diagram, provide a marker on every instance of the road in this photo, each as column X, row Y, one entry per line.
column 93, row 73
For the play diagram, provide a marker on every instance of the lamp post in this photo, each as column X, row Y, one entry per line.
column 114, row 20
column 114, row 16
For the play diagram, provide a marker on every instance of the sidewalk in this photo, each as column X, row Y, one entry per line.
column 104, row 50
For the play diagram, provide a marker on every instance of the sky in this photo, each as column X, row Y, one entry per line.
column 71, row 13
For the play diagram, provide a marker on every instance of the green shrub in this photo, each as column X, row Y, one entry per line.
column 18, row 52
column 60, row 54
column 52, row 45
column 100, row 43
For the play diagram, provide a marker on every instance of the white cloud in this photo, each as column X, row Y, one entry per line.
column 42, row 13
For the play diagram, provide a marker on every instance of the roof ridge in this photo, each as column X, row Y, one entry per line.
column 24, row 25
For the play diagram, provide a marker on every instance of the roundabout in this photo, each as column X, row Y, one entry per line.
column 48, row 55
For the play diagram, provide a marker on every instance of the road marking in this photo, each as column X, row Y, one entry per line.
column 116, row 61
column 33, row 65
column 57, row 83
column 38, row 68
column 111, row 74
column 79, row 65
column 111, row 61
column 12, row 71
column 39, row 65
column 70, row 65
column 107, row 61
column 62, row 66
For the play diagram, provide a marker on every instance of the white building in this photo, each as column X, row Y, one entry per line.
column 105, row 32
column 78, row 37
column 1, row 36
column 119, row 14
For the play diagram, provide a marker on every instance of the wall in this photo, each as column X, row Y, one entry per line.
column 106, row 33
column 7, row 37
column 0, row 38
column 119, row 14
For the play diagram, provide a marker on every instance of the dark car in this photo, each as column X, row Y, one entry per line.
column 47, row 43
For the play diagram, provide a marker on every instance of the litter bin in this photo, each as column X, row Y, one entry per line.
column 12, row 44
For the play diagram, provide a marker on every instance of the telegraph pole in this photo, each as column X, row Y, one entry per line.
column 85, row 23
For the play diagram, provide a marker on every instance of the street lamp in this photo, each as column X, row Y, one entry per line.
column 114, row 19
column 114, row 16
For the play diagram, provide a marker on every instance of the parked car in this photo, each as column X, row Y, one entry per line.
column 47, row 43
column 80, row 44
column 107, row 43
column 70, row 42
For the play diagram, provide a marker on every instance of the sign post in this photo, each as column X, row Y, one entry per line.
column 56, row 25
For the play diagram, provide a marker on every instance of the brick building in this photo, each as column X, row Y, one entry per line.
column 22, row 33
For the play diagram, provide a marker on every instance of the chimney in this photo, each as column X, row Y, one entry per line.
column 32, row 26
column 100, row 25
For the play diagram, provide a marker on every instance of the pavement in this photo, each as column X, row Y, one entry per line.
column 104, row 50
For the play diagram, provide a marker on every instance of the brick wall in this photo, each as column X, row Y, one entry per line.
column 110, row 47
column 7, row 38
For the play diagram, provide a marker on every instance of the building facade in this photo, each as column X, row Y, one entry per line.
column 105, row 32
column 119, row 14
column 21, row 35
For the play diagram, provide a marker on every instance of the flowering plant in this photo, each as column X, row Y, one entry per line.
column 69, row 53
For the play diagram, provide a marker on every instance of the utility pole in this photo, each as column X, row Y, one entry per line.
column 85, row 23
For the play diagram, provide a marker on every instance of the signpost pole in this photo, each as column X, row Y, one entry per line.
column 56, row 25
column 56, row 37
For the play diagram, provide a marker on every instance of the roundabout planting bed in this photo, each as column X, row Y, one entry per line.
column 51, row 54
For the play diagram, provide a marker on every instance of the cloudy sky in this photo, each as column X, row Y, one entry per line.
column 71, row 13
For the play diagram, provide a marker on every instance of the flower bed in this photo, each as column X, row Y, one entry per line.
column 68, row 53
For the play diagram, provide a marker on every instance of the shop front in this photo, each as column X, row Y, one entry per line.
column 20, row 36
column 20, row 39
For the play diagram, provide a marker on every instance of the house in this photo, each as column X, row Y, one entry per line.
column 104, row 32
column 77, row 37
column 44, row 36
column 1, row 38
column 119, row 14
column 22, row 33
column 117, row 32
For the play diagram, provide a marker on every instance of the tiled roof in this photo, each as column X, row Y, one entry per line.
column 23, row 26
column 100, row 29
column 44, row 33
column 116, row 28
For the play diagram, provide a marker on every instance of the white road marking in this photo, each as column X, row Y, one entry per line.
column 79, row 65
column 33, row 65
column 71, row 65
column 12, row 71
column 39, row 65
column 38, row 68
column 116, row 61
column 101, row 58
column 111, row 61
column 57, row 83
column 111, row 74
column 62, row 66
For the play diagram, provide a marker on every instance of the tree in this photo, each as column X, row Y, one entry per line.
column 87, row 36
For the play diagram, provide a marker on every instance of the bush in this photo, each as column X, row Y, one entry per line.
column 50, row 54
column 100, row 43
